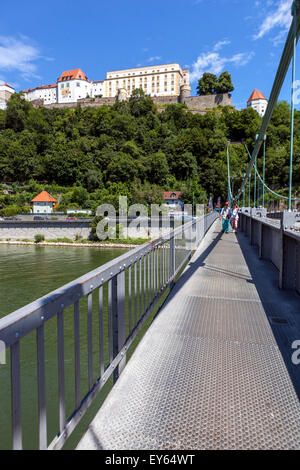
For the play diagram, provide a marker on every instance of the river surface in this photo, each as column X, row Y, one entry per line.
column 27, row 273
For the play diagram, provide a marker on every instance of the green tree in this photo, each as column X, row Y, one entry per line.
column 224, row 83
column 16, row 112
column 207, row 84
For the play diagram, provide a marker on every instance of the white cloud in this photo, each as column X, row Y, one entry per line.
column 213, row 62
column 18, row 55
column 221, row 44
column 278, row 18
column 153, row 59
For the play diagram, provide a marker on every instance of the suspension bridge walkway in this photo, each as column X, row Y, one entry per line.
column 218, row 367
column 209, row 373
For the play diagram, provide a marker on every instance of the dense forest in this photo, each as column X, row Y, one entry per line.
column 88, row 156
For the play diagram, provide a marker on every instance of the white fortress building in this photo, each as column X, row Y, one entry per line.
column 72, row 85
column 162, row 80
column 258, row 102
column 5, row 93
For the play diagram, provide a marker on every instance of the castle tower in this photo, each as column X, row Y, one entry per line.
column 258, row 102
column 121, row 94
column 5, row 93
column 185, row 92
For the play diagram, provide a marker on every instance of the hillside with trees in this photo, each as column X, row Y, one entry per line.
column 89, row 156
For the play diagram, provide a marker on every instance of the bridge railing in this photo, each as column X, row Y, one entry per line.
column 118, row 298
column 277, row 237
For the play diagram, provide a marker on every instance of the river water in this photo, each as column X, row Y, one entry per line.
column 27, row 273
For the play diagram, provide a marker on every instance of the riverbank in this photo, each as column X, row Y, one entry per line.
column 73, row 244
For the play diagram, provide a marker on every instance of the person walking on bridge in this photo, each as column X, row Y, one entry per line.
column 225, row 217
column 234, row 217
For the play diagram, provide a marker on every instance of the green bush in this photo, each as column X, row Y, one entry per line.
column 39, row 238
column 11, row 210
column 62, row 240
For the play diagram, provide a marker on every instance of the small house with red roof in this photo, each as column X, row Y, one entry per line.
column 258, row 102
column 43, row 203
column 172, row 200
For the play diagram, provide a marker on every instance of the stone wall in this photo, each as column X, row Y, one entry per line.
column 208, row 102
column 165, row 99
column 50, row 229
column 60, row 229
column 193, row 102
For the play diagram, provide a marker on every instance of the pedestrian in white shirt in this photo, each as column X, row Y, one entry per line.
column 234, row 219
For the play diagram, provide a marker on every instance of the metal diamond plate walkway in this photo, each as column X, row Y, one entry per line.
column 208, row 373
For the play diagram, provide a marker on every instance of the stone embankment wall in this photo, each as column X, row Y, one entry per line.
column 50, row 229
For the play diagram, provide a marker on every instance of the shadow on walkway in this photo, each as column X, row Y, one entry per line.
column 281, row 307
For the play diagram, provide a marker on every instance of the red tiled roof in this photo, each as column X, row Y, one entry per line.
column 76, row 74
column 168, row 195
column 44, row 197
column 257, row 95
column 6, row 84
column 42, row 87
column 98, row 81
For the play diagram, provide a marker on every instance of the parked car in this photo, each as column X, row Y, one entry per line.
column 12, row 218
column 71, row 218
column 40, row 217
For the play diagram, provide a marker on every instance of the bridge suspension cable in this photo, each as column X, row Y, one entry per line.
column 264, row 184
column 229, row 191
column 289, row 52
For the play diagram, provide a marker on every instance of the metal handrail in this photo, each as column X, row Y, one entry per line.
column 144, row 273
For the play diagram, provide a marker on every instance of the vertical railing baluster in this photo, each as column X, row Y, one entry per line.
column 101, row 344
column 16, row 396
column 41, row 377
column 110, row 325
column 135, row 294
column 158, row 271
column 172, row 256
column 119, row 323
column 149, row 280
column 77, row 353
column 154, row 273
column 61, row 371
column 129, row 300
column 163, row 265
column 90, row 339
column 140, row 287
column 145, row 282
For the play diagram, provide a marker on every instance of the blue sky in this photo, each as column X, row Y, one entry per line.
column 39, row 40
